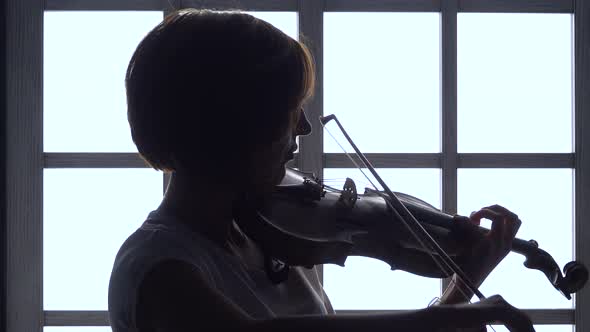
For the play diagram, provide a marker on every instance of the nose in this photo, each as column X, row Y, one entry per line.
column 303, row 127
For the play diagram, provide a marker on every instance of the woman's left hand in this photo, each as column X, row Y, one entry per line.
column 483, row 255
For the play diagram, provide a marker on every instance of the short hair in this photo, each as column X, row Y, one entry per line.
column 213, row 84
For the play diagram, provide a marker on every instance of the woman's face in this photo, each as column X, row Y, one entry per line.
column 270, row 161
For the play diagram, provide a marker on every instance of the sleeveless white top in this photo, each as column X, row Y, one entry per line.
column 162, row 237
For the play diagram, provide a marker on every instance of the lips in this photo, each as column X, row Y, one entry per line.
column 291, row 154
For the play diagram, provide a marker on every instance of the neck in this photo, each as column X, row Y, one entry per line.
column 206, row 208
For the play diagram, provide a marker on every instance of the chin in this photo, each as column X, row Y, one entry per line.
column 274, row 177
column 281, row 174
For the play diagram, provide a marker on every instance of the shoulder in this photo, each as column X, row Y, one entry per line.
column 141, row 259
column 174, row 294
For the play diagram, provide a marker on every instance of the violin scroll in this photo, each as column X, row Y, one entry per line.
column 575, row 274
column 575, row 277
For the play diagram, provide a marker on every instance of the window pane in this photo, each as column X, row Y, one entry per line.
column 514, row 82
column 382, row 71
column 88, row 214
column 85, row 60
column 543, row 200
column 284, row 21
column 382, row 288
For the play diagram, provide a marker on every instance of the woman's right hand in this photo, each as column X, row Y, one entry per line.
column 497, row 310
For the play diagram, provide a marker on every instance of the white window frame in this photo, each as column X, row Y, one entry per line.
column 25, row 159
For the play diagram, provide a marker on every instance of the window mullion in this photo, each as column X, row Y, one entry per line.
column 175, row 4
column 311, row 147
column 135, row 5
column 311, row 26
column 522, row 6
column 449, row 108
column 101, row 318
column 582, row 153
column 24, row 165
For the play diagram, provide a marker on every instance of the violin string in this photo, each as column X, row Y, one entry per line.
column 441, row 264
column 349, row 157
column 333, row 180
column 340, row 182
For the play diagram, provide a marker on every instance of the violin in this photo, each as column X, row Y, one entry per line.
column 304, row 222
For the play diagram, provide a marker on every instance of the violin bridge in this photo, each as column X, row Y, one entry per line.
column 348, row 196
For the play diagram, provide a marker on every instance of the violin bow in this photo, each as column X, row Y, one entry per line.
column 410, row 222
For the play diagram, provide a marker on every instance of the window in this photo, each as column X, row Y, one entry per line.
column 469, row 70
column 84, row 98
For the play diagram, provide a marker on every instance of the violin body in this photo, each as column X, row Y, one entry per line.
column 304, row 223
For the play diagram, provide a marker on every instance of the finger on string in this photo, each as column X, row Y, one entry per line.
column 512, row 221
column 500, row 209
column 498, row 224
column 474, row 220
column 465, row 223
column 512, row 227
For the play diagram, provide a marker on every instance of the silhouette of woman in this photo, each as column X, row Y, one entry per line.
column 216, row 100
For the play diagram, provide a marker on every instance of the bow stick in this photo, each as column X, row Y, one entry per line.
column 399, row 209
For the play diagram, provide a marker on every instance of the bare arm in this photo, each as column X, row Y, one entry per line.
column 174, row 297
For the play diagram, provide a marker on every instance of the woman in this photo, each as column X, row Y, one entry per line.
column 215, row 99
